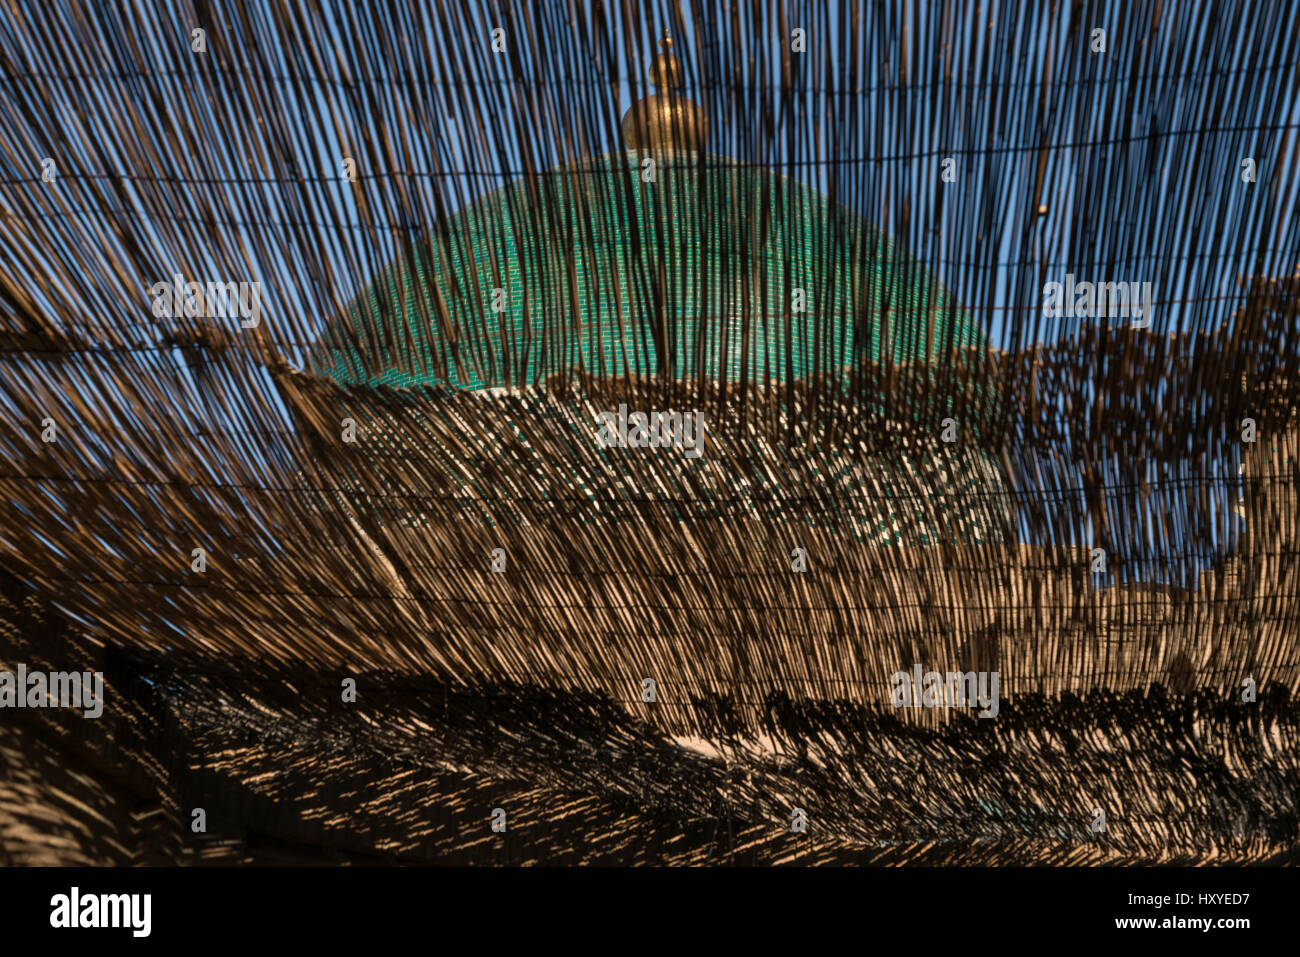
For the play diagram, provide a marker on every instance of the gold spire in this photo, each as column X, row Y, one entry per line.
column 665, row 119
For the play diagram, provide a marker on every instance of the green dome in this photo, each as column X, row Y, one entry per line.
column 695, row 273
column 601, row 271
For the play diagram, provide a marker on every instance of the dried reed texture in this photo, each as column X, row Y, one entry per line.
column 625, row 564
column 287, row 774
column 328, row 558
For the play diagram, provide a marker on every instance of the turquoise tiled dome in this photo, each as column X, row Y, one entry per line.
column 603, row 271
column 593, row 268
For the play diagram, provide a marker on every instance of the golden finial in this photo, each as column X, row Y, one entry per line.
column 666, row 69
column 665, row 119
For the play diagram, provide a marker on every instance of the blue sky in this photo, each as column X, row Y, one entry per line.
column 1119, row 176
column 1092, row 183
